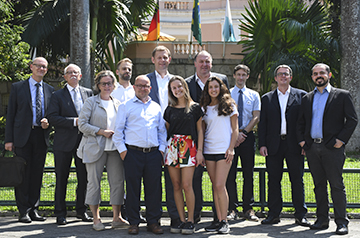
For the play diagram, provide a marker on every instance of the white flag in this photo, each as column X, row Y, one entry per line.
column 228, row 30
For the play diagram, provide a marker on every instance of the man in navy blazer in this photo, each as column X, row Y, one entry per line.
column 326, row 122
column 196, row 83
column 161, row 58
column 28, row 136
column 277, row 140
column 64, row 109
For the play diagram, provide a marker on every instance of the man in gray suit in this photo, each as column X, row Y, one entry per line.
column 27, row 132
column 196, row 83
column 65, row 106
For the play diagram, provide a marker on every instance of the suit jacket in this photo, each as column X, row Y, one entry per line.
column 339, row 120
column 20, row 115
column 269, row 127
column 92, row 118
column 154, row 93
column 61, row 115
column 191, row 81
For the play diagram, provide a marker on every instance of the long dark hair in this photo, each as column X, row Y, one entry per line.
column 225, row 106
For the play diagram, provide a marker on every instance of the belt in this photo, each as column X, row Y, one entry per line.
column 144, row 150
column 283, row 137
column 318, row 140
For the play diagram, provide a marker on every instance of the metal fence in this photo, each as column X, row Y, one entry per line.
column 351, row 180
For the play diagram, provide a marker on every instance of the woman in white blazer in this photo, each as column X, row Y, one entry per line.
column 97, row 123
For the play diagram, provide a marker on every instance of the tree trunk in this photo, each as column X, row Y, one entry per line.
column 80, row 39
column 350, row 61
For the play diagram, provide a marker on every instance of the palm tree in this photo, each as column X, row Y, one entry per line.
column 47, row 26
column 287, row 32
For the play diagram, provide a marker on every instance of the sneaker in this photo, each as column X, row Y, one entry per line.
column 224, row 227
column 232, row 215
column 176, row 228
column 214, row 226
column 119, row 224
column 188, row 229
column 250, row 215
column 99, row 227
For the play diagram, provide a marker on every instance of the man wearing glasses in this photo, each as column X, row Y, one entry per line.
column 27, row 133
column 64, row 110
column 140, row 138
column 277, row 140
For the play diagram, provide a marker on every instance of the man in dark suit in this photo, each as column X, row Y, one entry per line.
column 326, row 122
column 196, row 83
column 277, row 140
column 64, row 109
column 27, row 133
column 161, row 58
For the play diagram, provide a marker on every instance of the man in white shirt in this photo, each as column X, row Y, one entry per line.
column 64, row 109
column 248, row 102
column 277, row 140
column 124, row 90
column 161, row 58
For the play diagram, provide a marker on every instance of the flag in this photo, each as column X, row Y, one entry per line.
column 195, row 23
column 154, row 29
column 228, row 30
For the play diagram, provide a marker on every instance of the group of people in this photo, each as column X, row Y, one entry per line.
column 183, row 125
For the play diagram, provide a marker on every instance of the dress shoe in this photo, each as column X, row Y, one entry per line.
column 250, row 215
column 24, row 218
column 61, row 221
column 271, row 220
column 302, row 222
column 155, row 228
column 34, row 215
column 133, row 229
column 84, row 217
column 318, row 225
column 342, row 229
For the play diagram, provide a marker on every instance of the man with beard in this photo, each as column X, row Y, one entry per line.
column 124, row 90
column 326, row 122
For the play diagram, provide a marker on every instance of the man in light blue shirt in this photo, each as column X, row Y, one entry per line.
column 248, row 102
column 140, row 138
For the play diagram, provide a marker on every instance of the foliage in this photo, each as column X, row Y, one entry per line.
column 288, row 32
column 110, row 21
column 13, row 51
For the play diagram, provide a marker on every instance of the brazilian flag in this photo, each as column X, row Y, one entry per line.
column 195, row 24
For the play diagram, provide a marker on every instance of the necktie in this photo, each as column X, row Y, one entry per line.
column 240, row 108
column 38, row 104
column 77, row 102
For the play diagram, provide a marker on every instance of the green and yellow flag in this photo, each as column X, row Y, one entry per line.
column 195, row 24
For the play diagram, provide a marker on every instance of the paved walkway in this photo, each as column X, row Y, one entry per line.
column 9, row 227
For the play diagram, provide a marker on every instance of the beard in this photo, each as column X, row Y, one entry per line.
column 321, row 84
column 126, row 77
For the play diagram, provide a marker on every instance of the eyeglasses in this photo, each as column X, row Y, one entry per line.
column 40, row 66
column 106, row 84
column 142, row 86
column 73, row 72
column 281, row 74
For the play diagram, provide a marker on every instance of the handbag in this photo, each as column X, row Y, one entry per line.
column 12, row 170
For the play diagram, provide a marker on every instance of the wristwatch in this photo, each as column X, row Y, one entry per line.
column 245, row 132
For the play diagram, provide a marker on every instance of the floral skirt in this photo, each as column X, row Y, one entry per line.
column 180, row 151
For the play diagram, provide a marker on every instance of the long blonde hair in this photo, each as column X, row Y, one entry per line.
column 173, row 101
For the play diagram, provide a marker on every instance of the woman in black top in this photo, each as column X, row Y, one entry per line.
column 183, row 119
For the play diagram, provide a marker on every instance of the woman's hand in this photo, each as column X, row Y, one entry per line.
column 200, row 158
column 106, row 133
column 229, row 155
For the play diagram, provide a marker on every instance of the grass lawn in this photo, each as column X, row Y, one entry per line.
column 352, row 183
